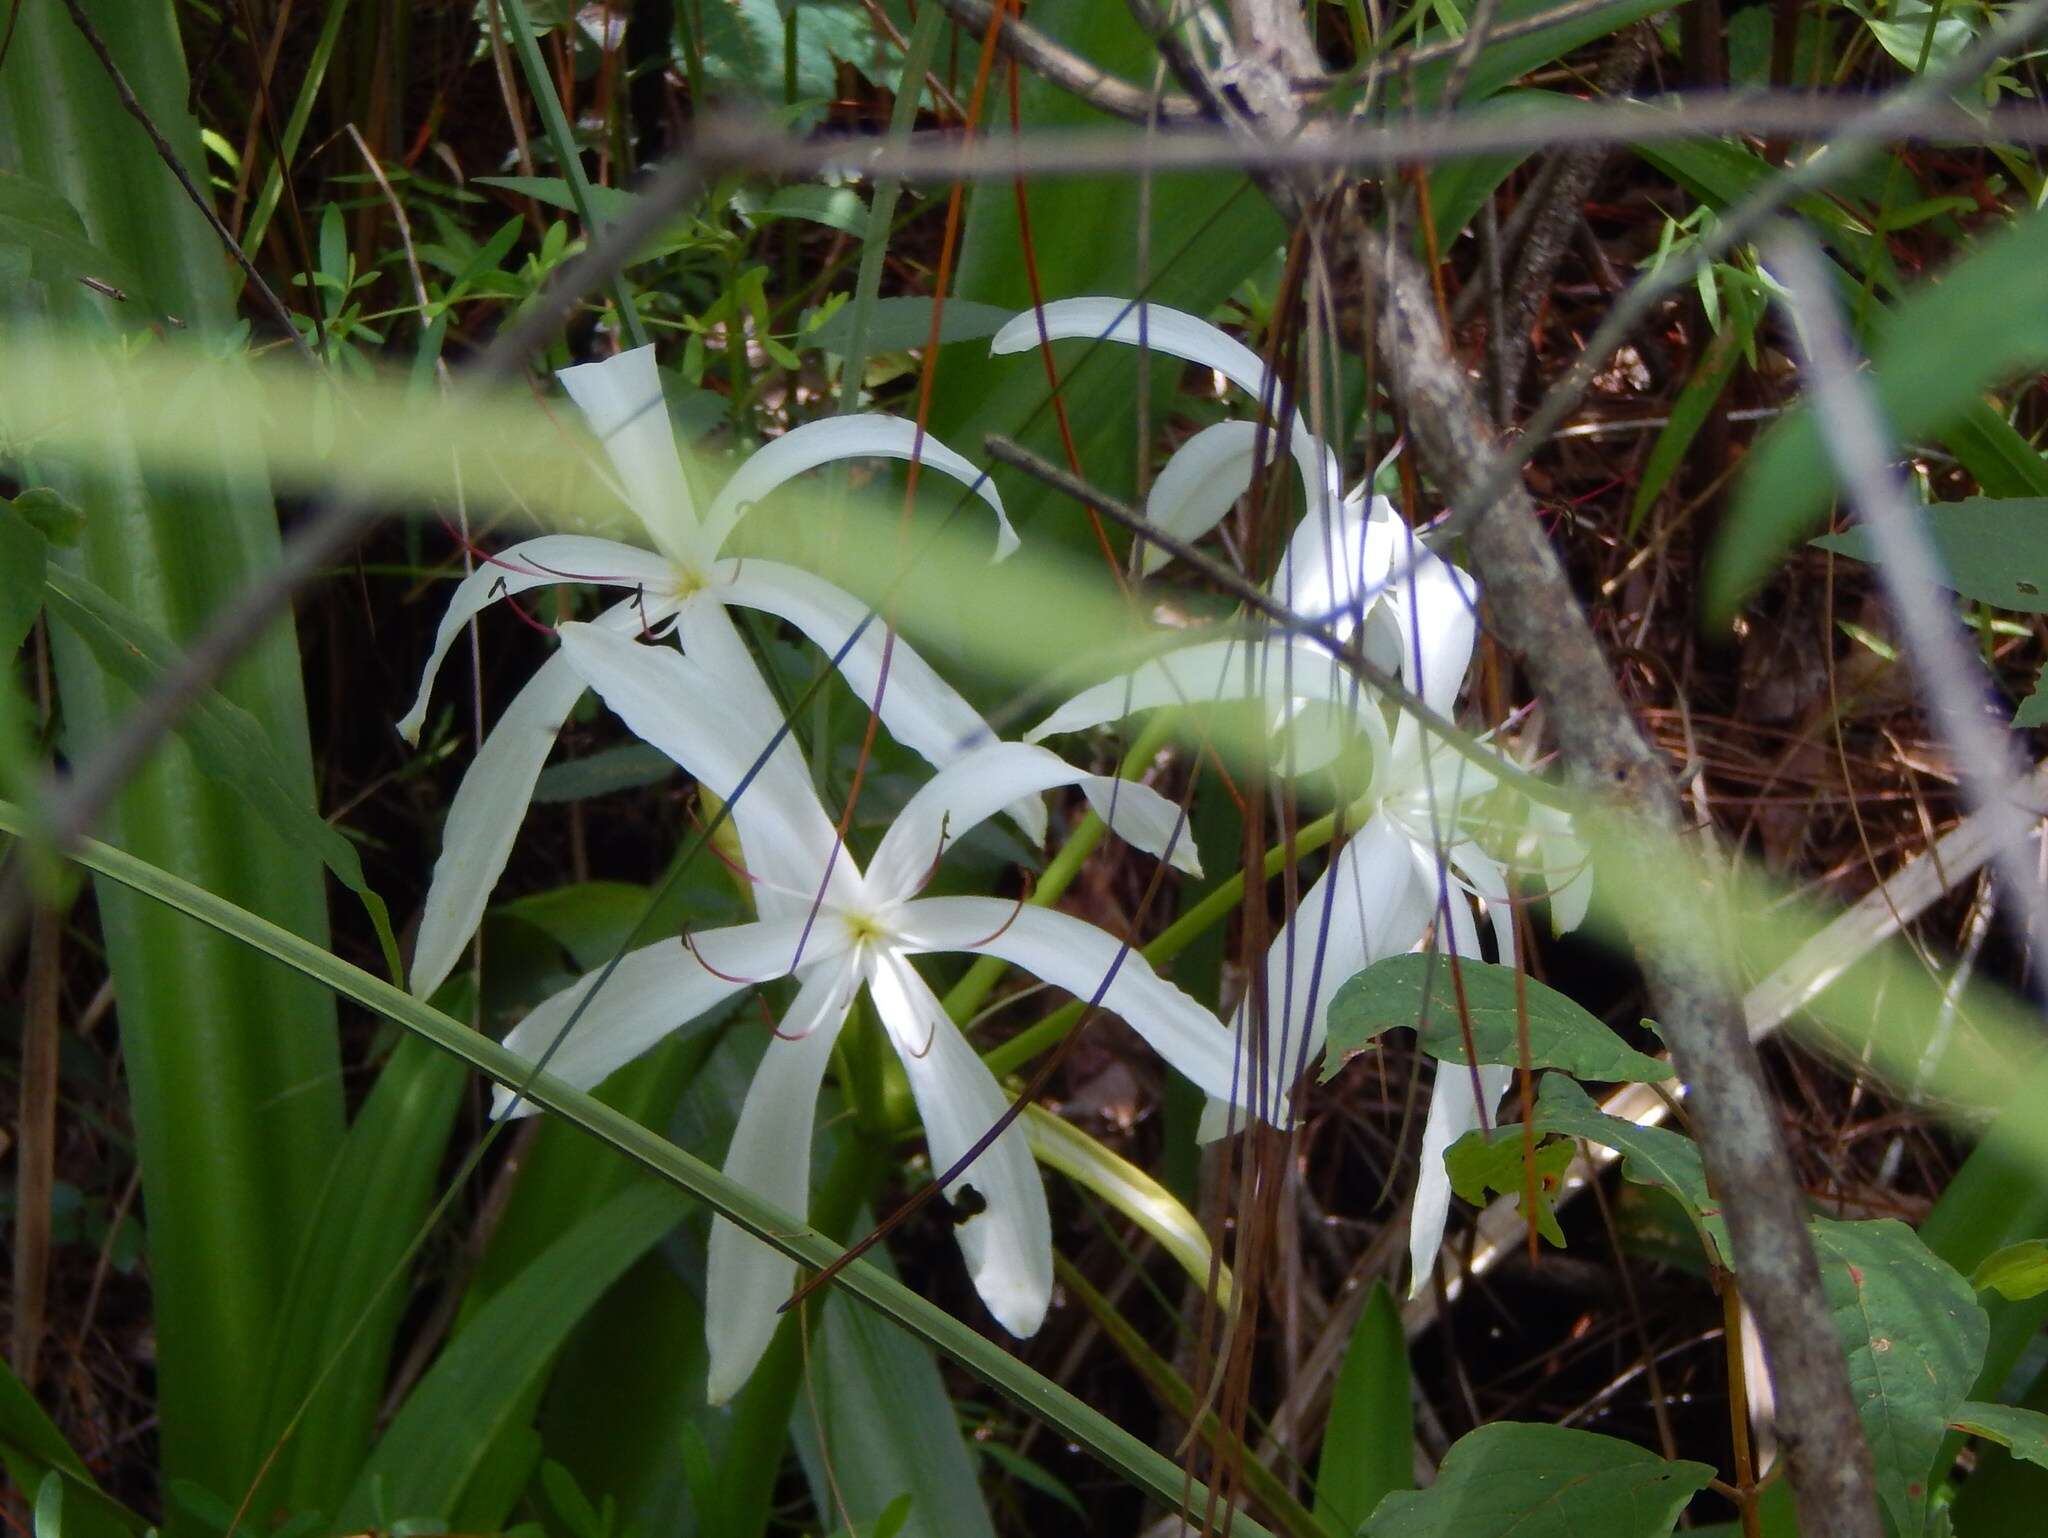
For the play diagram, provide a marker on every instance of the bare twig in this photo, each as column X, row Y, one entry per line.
column 1952, row 680
column 170, row 158
column 1060, row 66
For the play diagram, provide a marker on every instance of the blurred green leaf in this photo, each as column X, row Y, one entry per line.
column 40, row 221
column 1695, row 403
column 627, row 766
column 837, row 208
column 605, row 202
column 1419, row 991
column 1914, row 1334
column 1992, row 549
column 33, row 1452
column 903, row 323
column 22, row 558
column 1531, row 1481
column 1369, row 1437
column 2022, row 1432
column 1981, row 321
column 2017, row 1272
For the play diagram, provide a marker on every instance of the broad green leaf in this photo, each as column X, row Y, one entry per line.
column 2015, row 1273
column 1486, row 1164
column 2022, row 1432
column 1980, row 322
column 903, row 323
column 1650, row 1155
column 1992, row 549
column 837, row 208
column 1914, row 1334
column 228, row 742
column 1419, row 991
column 605, row 202
column 1369, row 1438
column 22, row 555
column 995, row 1365
column 41, row 222
column 437, row 1440
column 51, row 514
column 351, row 1285
column 1512, row 1480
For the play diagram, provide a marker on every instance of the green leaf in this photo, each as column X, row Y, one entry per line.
column 2022, row 1432
column 628, row 766
column 228, row 742
column 1695, row 402
column 2015, row 1273
column 1369, row 1438
column 1992, row 549
column 51, row 514
column 23, row 552
column 40, row 221
column 1484, row 1164
column 605, row 202
column 837, row 208
column 33, row 1452
column 437, row 1440
column 1418, row 990
column 898, row 325
column 1654, row 1156
column 1533, row 1481
column 1983, row 320
column 1914, row 1334
column 996, row 1365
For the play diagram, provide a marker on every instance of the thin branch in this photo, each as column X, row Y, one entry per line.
column 1060, row 66
column 1952, row 680
column 1852, row 124
column 170, row 158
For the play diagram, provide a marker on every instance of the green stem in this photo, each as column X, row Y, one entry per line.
column 567, row 156
column 1009, row 1056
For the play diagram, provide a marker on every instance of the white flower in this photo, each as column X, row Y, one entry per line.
column 1413, row 859
column 683, row 580
column 837, row 929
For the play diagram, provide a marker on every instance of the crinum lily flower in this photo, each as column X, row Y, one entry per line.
column 684, row 582
column 836, row 929
column 1412, row 864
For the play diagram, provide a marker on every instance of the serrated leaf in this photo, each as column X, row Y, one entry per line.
column 228, row 742
column 1981, row 321
column 1513, row 1480
column 1485, row 1164
column 1418, row 990
column 1654, row 1156
column 1992, row 549
column 1915, row 1337
column 2015, row 1273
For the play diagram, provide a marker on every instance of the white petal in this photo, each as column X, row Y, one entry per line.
column 1144, row 819
column 1073, row 954
column 849, row 437
column 485, row 816
column 713, row 725
column 1178, row 335
column 1452, row 1114
column 746, row 1281
column 1337, row 561
column 621, row 399
column 1436, row 606
column 974, row 787
column 921, row 710
column 651, row 992
column 1008, row 1243
column 551, row 559
column 1565, row 864
column 1366, row 906
column 1198, row 485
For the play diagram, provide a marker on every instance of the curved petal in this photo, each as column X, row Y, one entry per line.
column 1337, row 561
column 973, row 788
column 1565, row 863
column 710, row 724
column 1007, row 1243
column 921, row 710
column 621, row 399
column 543, row 562
column 1436, row 606
column 746, row 1281
column 1073, row 954
column 869, row 436
column 1178, row 334
column 1144, row 819
column 652, row 992
column 484, row 818
column 1207, row 673
column 1366, row 906
column 1199, row 484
